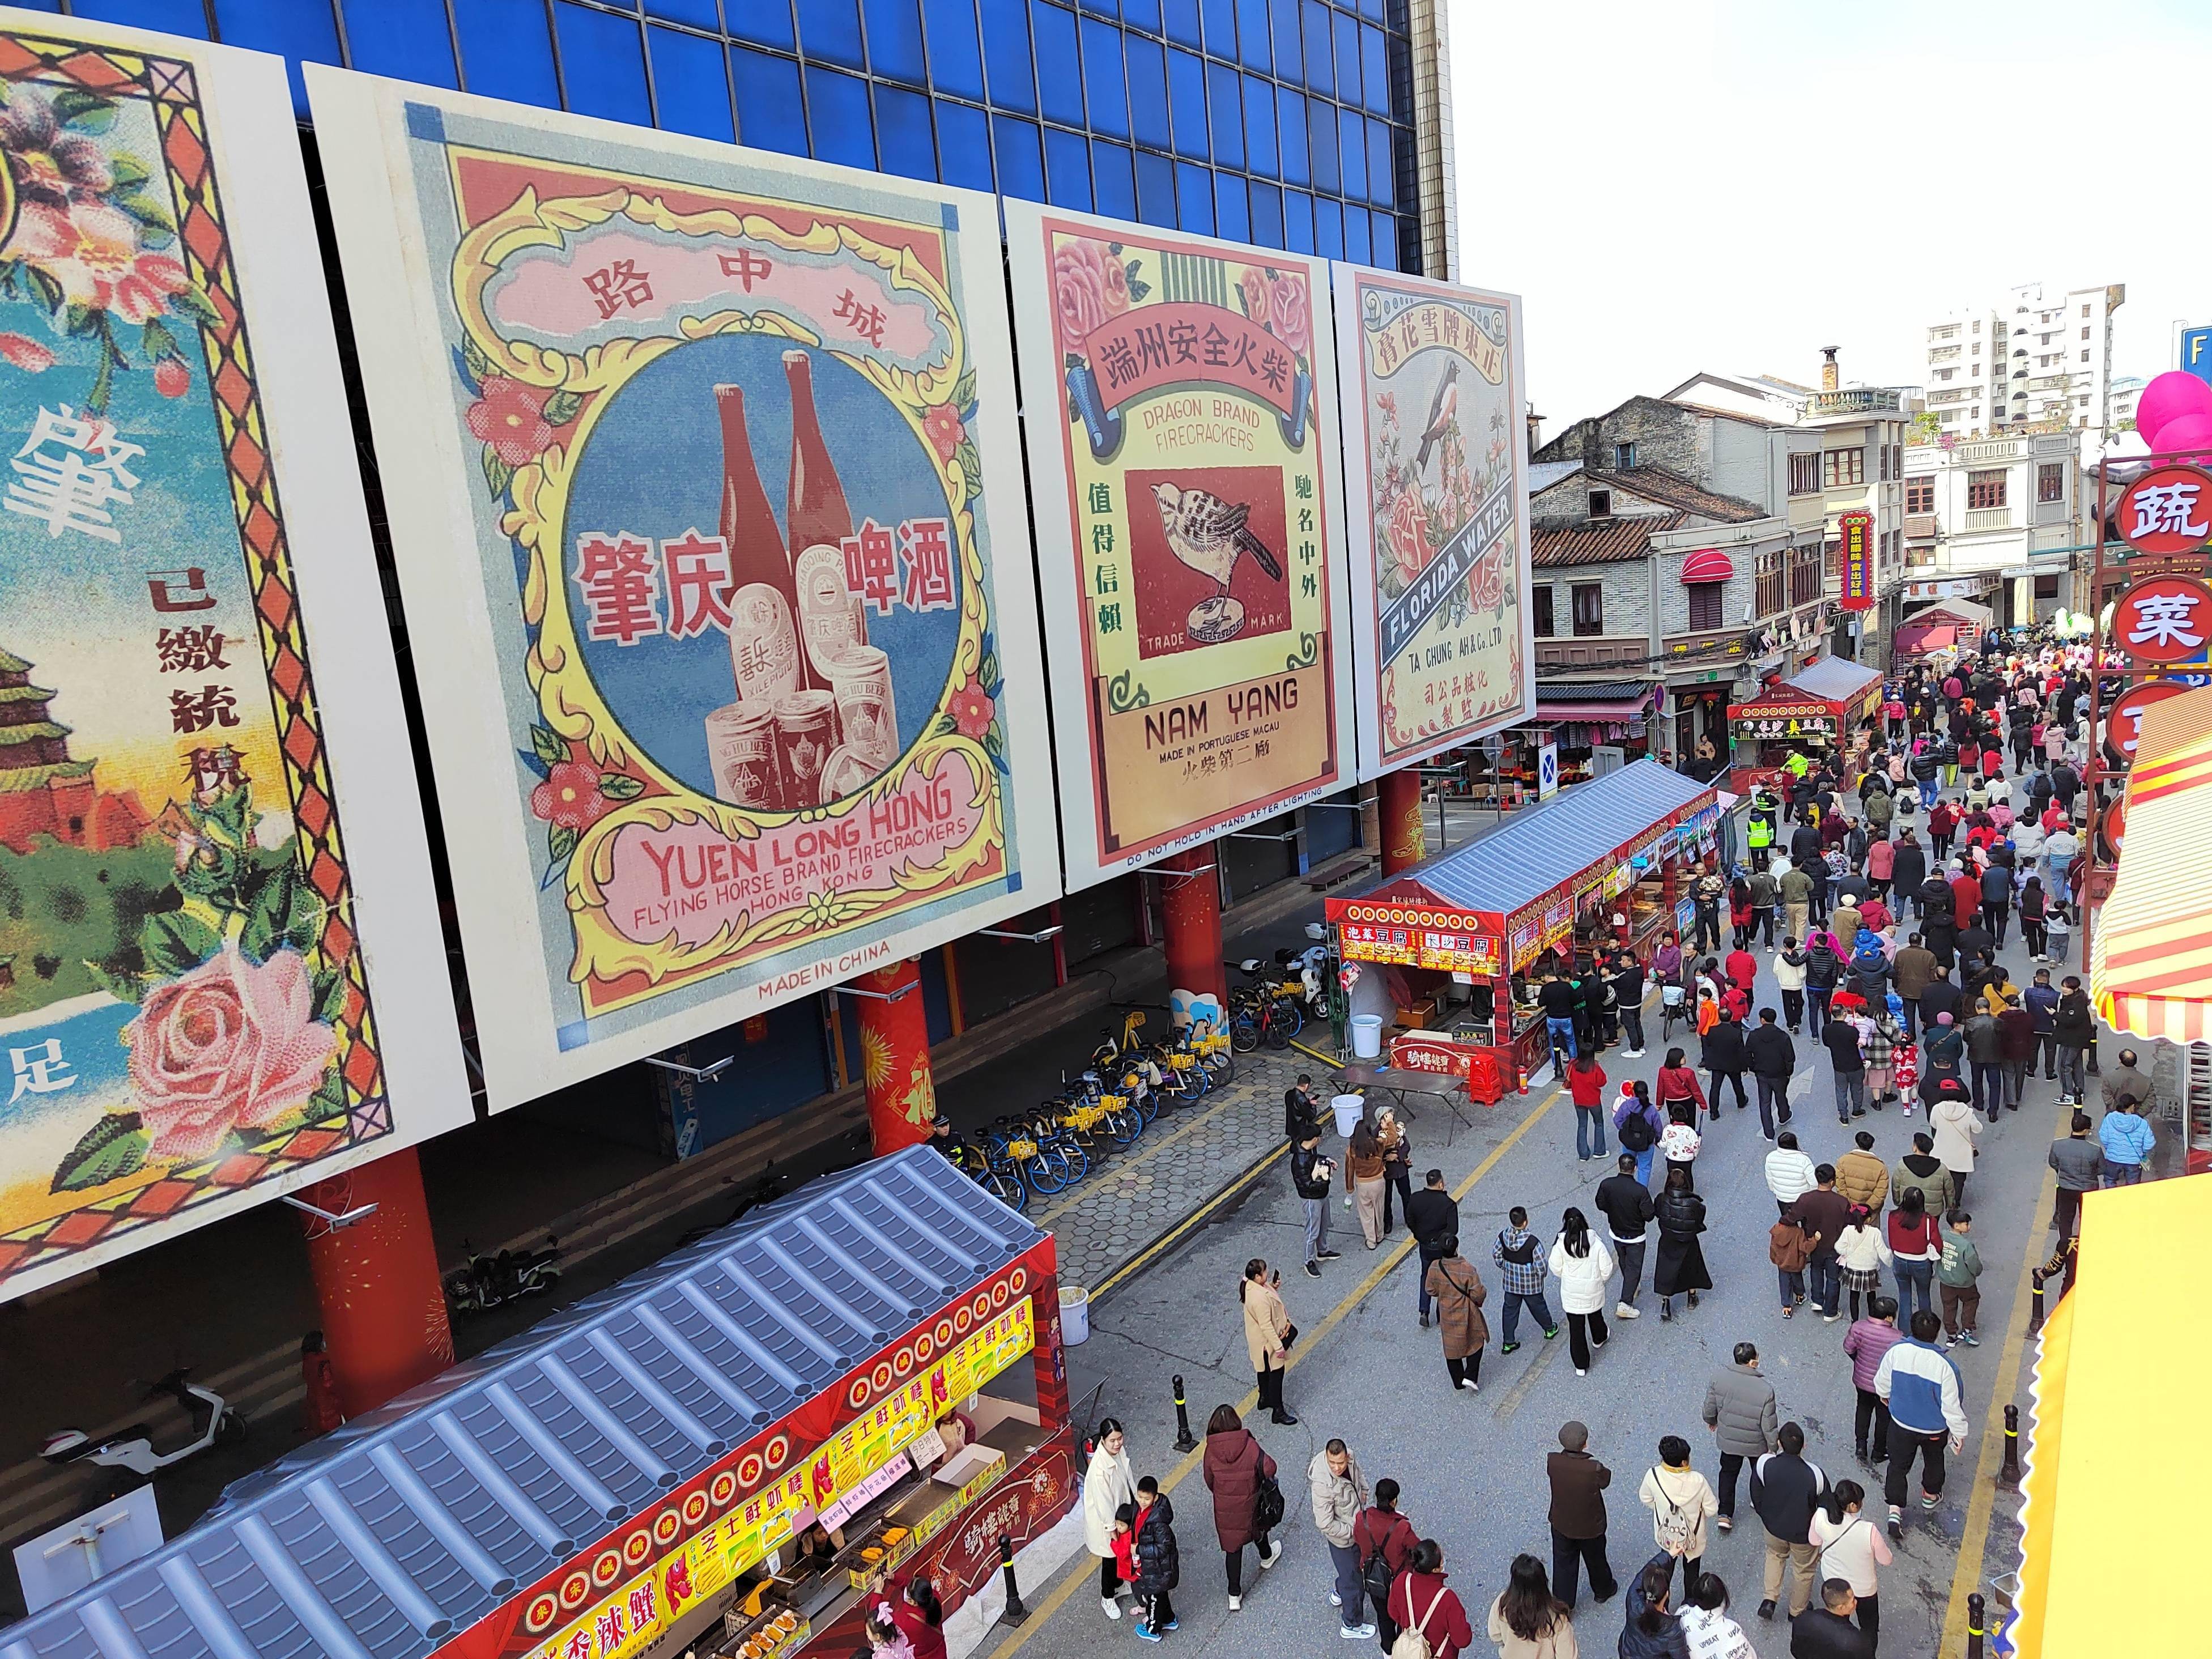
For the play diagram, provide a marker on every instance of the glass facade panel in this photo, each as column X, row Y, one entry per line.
column 908, row 146
column 1059, row 69
column 407, row 40
column 1253, row 39
column 690, row 83
column 830, row 30
column 1283, row 29
column 763, row 22
column 837, row 118
column 1067, row 169
column 1148, row 91
column 769, row 113
column 1182, row 23
column 1194, row 198
column 1186, row 101
column 1021, row 167
column 699, row 13
column 1113, row 182
column 1156, row 190
column 187, row 17
column 956, row 57
column 1266, row 215
column 895, row 38
column 964, row 146
column 1232, row 207
column 1226, row 101
column 1321, row 59
column 1298, row 220
column 1104, row 88
column 602, row 65
column 1260, row 126
column 1290, row 132
column 1007, row 54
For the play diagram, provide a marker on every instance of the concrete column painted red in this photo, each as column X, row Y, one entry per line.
column 895, row 1058
column 1192, row 903
column 1398, row 814
column 376, row 1282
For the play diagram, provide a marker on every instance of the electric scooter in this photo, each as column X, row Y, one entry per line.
column 130, row 1453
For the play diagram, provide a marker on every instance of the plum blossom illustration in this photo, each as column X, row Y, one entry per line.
column 510, row 418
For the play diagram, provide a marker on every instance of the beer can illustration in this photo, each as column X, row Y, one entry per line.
column 831, row 619
column 861, row 679
column 847, row 772
column 741, row 748
column 805, row 732
column 763, row 645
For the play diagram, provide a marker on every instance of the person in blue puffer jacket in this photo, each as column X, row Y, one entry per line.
column 1870, row 967
column 1652, row 1630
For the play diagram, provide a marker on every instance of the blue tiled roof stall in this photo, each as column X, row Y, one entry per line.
column 1534, row 851
column 1834, row 678
column 410, row 1524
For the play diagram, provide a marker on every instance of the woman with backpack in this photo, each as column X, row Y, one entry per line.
column 1237, row 1471
column 1583, row 1266
column 1681, row 1501
column 1385, row 1541
column 1637, row 1123
column 1527, row 1620
column 1457, row 1290
column 1431, row 1623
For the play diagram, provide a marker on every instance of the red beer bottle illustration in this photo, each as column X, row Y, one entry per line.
column 815, row 511
column 763, row 597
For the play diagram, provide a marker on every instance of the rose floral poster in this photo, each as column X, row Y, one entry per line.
column 713, row 554
column 221, row 970
column 1439, row 525
column 1181, row 404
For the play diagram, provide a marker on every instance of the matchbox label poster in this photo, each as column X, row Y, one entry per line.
column 1186, row 514
column 727, row 436
column 187, row 1019
column 1438, row 521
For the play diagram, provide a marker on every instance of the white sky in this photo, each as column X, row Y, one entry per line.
column 1732, row 185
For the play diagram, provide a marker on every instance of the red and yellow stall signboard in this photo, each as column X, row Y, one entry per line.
column 1415, row 936
column 1856, row 531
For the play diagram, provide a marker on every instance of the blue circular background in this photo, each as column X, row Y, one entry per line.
column 653, row 468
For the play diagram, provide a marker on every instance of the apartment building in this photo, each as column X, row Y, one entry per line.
column 2028, row 358
column 1993, row 519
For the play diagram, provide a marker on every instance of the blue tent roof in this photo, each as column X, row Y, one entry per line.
column 1833, row 678
column 410, row 1524
column 1535, row 850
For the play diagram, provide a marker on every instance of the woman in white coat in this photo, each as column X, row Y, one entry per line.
column 1953, row 1123
column 1107, row 1484
column 1583, row 1265
column 1682, row 1502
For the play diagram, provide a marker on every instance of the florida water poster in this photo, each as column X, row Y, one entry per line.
column 221, row 970
column 734, row 695
column 1181, row 406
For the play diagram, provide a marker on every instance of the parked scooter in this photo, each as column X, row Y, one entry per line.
column 490, row 1280
column 128, row 1456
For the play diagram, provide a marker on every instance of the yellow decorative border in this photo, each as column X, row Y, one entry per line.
column 569, row 703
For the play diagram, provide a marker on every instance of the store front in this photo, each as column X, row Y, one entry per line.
column 1944, row 629
column 1599, row 725
column 1463, row 938
column 1813, row 712
column 642, row 1474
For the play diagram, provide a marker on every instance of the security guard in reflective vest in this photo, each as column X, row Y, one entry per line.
column 1758, row 835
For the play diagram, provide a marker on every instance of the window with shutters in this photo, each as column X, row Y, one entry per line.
column 1805, row 475
column 1842, row 467
column 1706, row 612
column 1541, row 596
column 1588, row 599
column 1920, row 495
column 1985, row 489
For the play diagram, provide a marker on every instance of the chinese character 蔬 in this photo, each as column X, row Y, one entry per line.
column 926, row 556
column 40, row 1070
column 871, row 566
column 2166, row 619
column 196, row 711
column 696, row 576
column 868, row 320
column 615, row 575
column 189, row 650
column 618, row 286
column 2166, row 509
column 747, row 267
column 71, row 489
column 194, row 595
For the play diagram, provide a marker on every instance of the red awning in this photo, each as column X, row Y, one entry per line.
column 1708, row 564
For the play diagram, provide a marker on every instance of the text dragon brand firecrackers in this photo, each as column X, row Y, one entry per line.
column 1438, row 524
column 741, row 678
column 1183, row 453
column 209, row 822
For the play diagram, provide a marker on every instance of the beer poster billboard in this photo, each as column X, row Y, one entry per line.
column 221, row 973
column 713, row 548
column 1438, row 519
column 1181, row 398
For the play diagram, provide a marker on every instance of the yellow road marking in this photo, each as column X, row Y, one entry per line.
column 1042, row 1612
column 1175, row 1233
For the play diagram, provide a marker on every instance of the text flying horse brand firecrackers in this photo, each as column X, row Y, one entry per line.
column 1186, row 531
column 728, row 435
column 1438, row 519
column 209, row 822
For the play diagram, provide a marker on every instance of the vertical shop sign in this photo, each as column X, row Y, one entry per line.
column 734, row 695
column 1857, row 574
column 1186, row 512
column 1436, row 521
column 208, row 815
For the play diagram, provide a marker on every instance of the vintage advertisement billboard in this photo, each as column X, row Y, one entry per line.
column 712, row 545
column 1181, row 396
column 1437, row 519
column 222, row 974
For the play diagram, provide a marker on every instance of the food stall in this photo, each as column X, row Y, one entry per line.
column 639, row 1475
column 1467, row 931
column 1815, row 710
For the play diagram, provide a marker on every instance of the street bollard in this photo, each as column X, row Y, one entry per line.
column 1185, row 1441
column 2035, row 1304
column 2008, row 1473
column 1016, row 1613
column 1973, row 1627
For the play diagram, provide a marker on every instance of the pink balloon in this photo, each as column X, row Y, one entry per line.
column 2189, row 436
column 2168, row 398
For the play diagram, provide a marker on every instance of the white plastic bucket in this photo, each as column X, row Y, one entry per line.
column 1367, row 1036
column 1074, row 1315
column 1350, row 1109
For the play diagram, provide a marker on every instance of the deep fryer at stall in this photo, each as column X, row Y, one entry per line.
column 716, row 1455
column 1465, row 935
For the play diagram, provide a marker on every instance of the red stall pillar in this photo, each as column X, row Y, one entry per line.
column 1192, row 900
column 894, row 1057
column 1398, row 803
column 376, row 1281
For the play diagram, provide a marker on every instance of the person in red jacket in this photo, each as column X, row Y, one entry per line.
column 1943, row 823
column 1586, row 1088
column 1677, row 1081
column 1381, row 1530
column 1421, row 1599
column 1742, row 970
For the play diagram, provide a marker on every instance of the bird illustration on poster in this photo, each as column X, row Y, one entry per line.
column 1209, row 535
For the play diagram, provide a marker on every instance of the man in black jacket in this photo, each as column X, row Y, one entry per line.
column 1625, row 1203
column 1940, row 996
column 1627, row 977
column 1309, row 1175
column 1772, row 1057
column 1301, row 1111
column 1784, row 1488
column 1722, row 1054
column 1433, row 1216
column 1826, row 1631
column 1908, row 868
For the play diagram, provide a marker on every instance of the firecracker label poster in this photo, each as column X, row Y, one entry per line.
column 1188, row 542
column 735, row 673
column 1439, row 519
column 187, row 1019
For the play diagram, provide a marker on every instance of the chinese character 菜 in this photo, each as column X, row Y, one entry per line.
column 70, row 485
column 618, row 287
column 40, row 1070
column 616, row 576
column 189, row 650
column 2166, row 619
